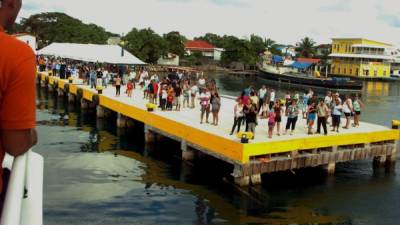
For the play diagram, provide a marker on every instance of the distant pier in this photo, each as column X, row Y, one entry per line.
column 259, row 156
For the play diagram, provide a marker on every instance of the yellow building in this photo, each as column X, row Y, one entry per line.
column 361, row 58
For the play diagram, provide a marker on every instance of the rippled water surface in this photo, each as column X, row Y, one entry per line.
column 97, row 174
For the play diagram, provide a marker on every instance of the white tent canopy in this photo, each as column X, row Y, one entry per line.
column 91, row 53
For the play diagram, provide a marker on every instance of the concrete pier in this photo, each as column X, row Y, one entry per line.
column 250, row 160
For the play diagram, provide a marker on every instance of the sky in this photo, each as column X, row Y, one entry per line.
column 285, row 21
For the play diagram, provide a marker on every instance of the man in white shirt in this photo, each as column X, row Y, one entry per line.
column 271, row 99
column 262, row 94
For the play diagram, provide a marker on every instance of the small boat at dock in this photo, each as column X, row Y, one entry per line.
column 297, row 72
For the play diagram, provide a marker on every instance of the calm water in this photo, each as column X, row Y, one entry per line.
column 97, row 174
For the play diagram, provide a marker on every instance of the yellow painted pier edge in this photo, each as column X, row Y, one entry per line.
column 232, row 150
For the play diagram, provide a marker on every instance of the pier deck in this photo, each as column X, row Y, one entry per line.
column 261, row 155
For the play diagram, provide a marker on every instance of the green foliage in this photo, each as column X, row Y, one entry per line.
column 306, row 47
column 194, row 59
column 174, row 41
column 59, row 27
column 213, row 39
column 237, row 50
column 146, row 44
column 16, row 28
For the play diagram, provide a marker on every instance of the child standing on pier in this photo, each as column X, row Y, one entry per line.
column 312, row 115
column 129, row 88
column 170, row 100
column 271, row 123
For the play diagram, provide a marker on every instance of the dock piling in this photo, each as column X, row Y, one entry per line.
column 255, row 179
column 188, row 154
column 84, row 104
column 71, row 98
column 100, row 112
column 121, row 121
column 60, row 92
column 240, row 179
column 149, row 136
column 330, row 168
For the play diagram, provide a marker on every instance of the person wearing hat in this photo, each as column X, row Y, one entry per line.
column 17, row 88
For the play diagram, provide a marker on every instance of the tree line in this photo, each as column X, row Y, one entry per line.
column 149, row 46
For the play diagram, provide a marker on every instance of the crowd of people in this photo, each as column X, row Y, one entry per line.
column 181, row 90
column 253, row 105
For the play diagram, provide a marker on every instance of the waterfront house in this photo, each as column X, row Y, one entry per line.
column 170, row 59
column 361, row 58
column 323, row 49
column 206, row 49
column 28, row 39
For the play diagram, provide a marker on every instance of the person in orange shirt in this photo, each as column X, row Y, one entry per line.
column 17, row 88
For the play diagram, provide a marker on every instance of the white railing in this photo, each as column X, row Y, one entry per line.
column 24, row 198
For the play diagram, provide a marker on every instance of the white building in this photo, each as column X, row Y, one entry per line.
column 169, row 60
column 205, row 48
column 28, row 39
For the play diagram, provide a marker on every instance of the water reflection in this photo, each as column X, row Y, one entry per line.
column 98, row 174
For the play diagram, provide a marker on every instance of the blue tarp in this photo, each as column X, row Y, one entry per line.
column 301, row 65
column 277, row 59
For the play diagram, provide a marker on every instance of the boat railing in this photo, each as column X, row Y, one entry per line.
column 23, row 203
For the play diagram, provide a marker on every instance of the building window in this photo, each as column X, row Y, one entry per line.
column 384, row 73
column 344, row 71
column 375, row 73
column 357, row 72
column 351, row 72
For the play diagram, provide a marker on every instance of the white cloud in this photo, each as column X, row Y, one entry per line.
column 286, row 21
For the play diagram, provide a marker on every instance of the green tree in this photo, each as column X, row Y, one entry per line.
column 269, row 43
column 237, row 50
column 146, row 44
column 306, row 47
column 213, row 39
column 59, row 27
column 174, row 41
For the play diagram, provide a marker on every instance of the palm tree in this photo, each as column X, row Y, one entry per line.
column 306, row 47
column 269, row 43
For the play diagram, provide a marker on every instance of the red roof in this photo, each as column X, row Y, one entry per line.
column 199, row 45
column 308, row 60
